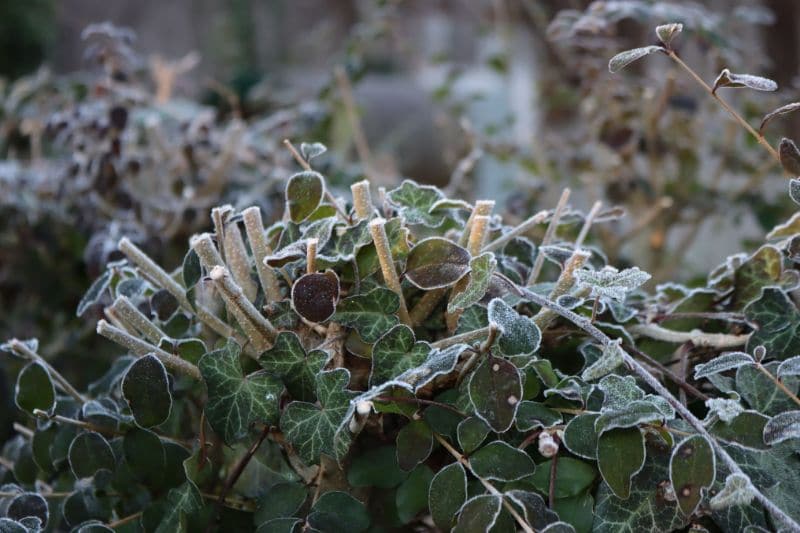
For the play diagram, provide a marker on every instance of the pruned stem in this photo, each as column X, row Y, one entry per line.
column 311, row 255
column 548, row 236
column 237, row 260
column 477, row 234
column 254, row 227
column 258, row 329
column 565, row 282
column 22, row 350
column 362, row 199
column 696, row 337
column 381, row 240
column 132, row 317
column 482, row 208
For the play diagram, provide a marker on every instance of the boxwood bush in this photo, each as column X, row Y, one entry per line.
column 401, row 360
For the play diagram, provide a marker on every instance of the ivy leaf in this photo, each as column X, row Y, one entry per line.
column 314, row 295
column 481, row 269
column 89, row 453
column 447, row 494
column 435, row 263
column 500, row 461
column 580, row 437
column 416, row 202
column 180, row 503
column 730, row 80
column 309, row 428
column 344, row 244
column 236, row 401
column 794, row 190
column 781, row 427
column 778, row 322
column 414, row 444
column 723, row 363
column 633, row 414
column 620, row 456
column 479, row 514
column 789, row 156
column 35, row 389
column 611, row 283
column 495, row 388
column 471, row 433
column 398, row 235
column 395, row 352
column 518, row 334
column 692, row 468
column 371, row 314
column 623, row 59
column 338, row 512
column 304, row 192
column 289, row 361
column 95, row 292
column 146, row 389
column 611, row 357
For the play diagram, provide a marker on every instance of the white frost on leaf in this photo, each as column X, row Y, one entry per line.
column 737, row 491
column 612, row 283
column 724, row 408
column 610, row 359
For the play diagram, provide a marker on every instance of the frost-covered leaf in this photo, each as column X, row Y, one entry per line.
column 794, row 190
column 288, row 360
column 532, row 415
column 146, row 456
column 778, row 322
column 667, row 32
column 495, row 388
column 435, row 263
column 724, row 408
column 236, row 401
column 790, row 228
column 315, row 295
column 619, row 391
column 631, row 415
column 310, row 428
column 620, row 456
column 781, row 427
column 180, row 503
column 762, row 269
column 723, row 363
column 610, row 282
column 35, row 389
column 311, row 150
column 336, row 512
column 580, row 436
column 88, row 453
column 559, row 527
column 471, row 433
column 789, row 367
column 782, row 110
column 95, row 292
column 190, row 271
column 304, row 192
column 533, row 507
column 737, row 491
column 611, row 357
column 344, row 244
column 692, row 468
column 790, row 156
column 500, row 461
column 746, row 430
column 730, row 80
column 446, row 494
column 415, row 203
column 414, row 444
column 518, row 334
column 395, row 352
column 398, row 235
column 623, row 59
column 27, row 505
column 481, row 269
column 146, row 389
column 479, row 514
column 371, row 314
column 760, row 392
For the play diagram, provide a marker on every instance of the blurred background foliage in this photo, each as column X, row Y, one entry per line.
column 138, row 126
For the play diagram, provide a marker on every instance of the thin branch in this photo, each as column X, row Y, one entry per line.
column 696, row 337
column 548, row 236
column 521, row 229
column 470, row 336
column 419, row 401
column 359, row 138
column 381, row 240
column 778, row 383
column 22, row 350
column 254, row 227
column 587, row 224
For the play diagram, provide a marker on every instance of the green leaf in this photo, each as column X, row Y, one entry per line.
column 580, row 436
column 495, row 388
column 633, row 414
column 761, row 392
column 288, row 360
column 728, row 79
column 95, row 292
column 315, row 295
column 745, row 430
column 412, row 494
column 611, row 357
column 692, row 468
column 573, row 477
column 623, row 59
column 578, row 511
column 778, row 322
column 371, row 314
column 518, row 334
column 762, row 269
column 145, row 454
column 723, row 363
column 395, row 352
column 180, row 502
column 26, row 505
column 620, row 456
column 737, row 491
column 191, row 269
column 481, row 269
column 414, row 444
column 281, row 500
column 781, row 427
column 416, row 202
column 559, row 527
column 236, row 401
column 473, row 318
column 35, row 389
column 344, row 244
column 471, row 433
column 280, row 525
column 533, row 508
column 304, row 192
column 611, row 283
column 89, row 453
column 479, row 514
column 309, row 428
column 398, row 235
column 435, row 263
column 532, row 415
column 338, row 512
column 500, row 461
column 376, row 467
column 146, row 389
column 446, row 495
column 789, row 368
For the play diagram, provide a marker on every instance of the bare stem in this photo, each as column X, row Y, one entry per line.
column 381, row 240
column 254, row 227
column 587, row 224
column 132, row 317
column 359, row 138
column 696, row 337
column 565, row 282
column 362, row 199
column 311, row 255
column 482, row 208
column 258, row 329
column 548, row 236
column 467, row 337
column 523, row 228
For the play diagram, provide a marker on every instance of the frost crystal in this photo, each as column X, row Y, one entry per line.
column 737, row 491
column 724, row 409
